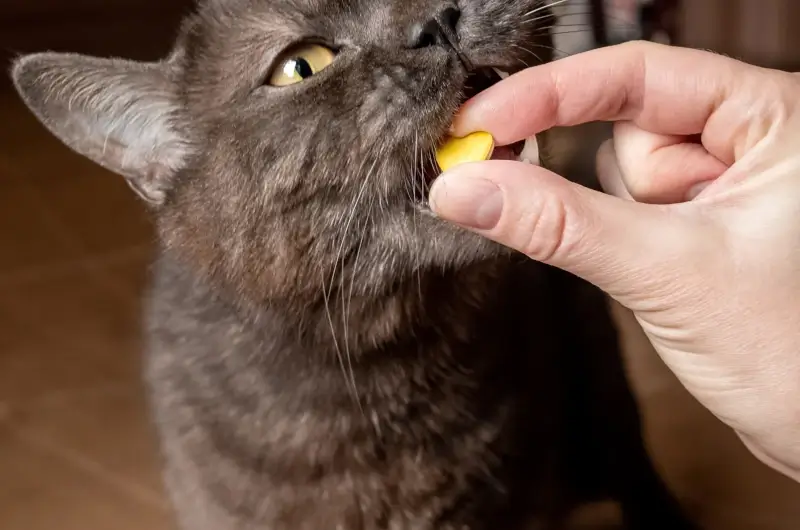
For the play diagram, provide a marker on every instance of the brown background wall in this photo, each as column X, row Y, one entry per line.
column 762, row 31
column 141, row 29
column 766, row 31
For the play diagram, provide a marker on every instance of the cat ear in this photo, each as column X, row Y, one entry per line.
column 118, row 113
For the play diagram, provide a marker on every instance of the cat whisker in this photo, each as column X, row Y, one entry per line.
column 584, row 30
column 549, row 48
column 421, row 168
column 545, row 6
column 347, row 308
column 567, row 15
column 551, row 16
column 553, row 48
column 327, row 293
column 351, row 211
column 537, row 56
column 326, row 300
column 346, row 303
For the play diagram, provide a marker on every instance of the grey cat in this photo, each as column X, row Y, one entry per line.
column 323, row 353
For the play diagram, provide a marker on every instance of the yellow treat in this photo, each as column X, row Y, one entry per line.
column 472, row 148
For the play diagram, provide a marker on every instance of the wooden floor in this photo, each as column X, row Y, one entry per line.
column 76, row 451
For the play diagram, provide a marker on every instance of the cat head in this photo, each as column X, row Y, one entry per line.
column 286, row 146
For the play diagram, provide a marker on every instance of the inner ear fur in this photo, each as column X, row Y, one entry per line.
column 121, row 114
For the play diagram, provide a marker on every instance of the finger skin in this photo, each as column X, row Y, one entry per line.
column 609, row 173
column 661, row 169
column 662, row 89
column 713, row 281
column 610, row 242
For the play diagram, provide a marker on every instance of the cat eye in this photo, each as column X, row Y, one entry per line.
column 299, row 63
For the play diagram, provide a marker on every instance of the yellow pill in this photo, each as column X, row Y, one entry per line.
column 471, row 148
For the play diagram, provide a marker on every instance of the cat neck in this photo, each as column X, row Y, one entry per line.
column 437, row 313
column 453, row 361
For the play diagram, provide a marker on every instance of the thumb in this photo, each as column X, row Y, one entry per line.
column 622, row 246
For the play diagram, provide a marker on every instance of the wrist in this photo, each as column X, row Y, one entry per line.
column 771, row 430
column 780, row 452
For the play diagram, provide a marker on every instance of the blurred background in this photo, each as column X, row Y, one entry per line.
column 76, row 450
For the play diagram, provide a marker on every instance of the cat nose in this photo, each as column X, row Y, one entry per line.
column 439, row 30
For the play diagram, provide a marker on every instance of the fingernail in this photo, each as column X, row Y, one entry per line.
column 472, row 202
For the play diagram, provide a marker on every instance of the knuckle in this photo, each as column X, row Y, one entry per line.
column 548, row 237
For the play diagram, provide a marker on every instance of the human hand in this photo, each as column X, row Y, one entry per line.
column 701, row 239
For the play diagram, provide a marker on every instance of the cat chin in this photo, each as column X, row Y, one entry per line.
column 442, row 244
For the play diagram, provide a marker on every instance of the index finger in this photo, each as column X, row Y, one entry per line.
column 662, row 89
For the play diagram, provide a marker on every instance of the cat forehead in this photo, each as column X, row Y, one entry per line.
column 310, row 7
column 229, row 45
column 237, row 35
column 297, row 16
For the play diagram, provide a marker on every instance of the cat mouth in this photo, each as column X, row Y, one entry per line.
column 526, row 151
